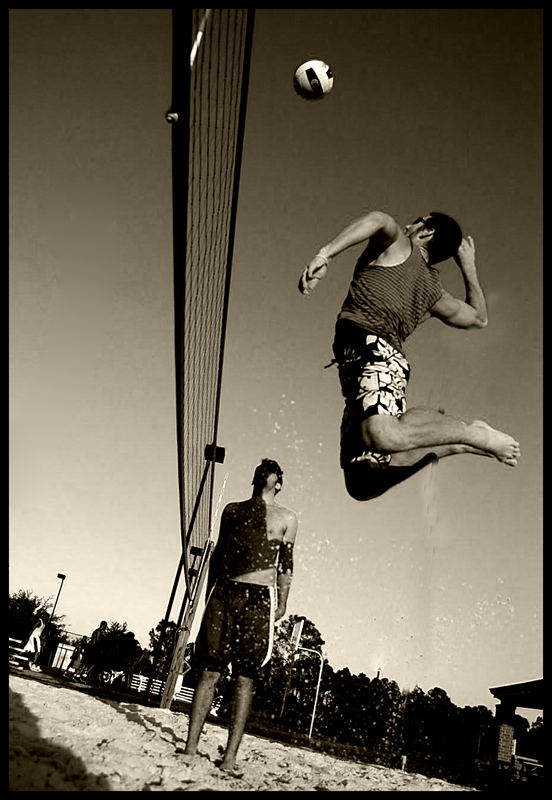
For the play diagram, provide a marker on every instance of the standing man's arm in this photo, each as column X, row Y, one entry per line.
column 219, row 552
column 376, row 224
column 285, row 566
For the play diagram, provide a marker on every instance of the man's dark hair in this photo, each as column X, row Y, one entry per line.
column 447, row 238
column 266, row 468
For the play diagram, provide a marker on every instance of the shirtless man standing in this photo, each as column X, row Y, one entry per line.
column 395, row 287
column 248, row 587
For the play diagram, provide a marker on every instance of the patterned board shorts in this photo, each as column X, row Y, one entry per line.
column 373, row 377
column 237, row 628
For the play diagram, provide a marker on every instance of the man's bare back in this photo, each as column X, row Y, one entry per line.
column 281, row 526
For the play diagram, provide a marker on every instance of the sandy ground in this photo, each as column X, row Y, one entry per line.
column 65, row 740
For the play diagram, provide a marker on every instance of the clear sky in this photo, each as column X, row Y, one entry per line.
column 430, row 110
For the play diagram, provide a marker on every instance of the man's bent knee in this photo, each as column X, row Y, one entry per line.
column 382, row 433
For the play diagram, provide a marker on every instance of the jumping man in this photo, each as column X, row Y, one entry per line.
column 395, row 287
column 248, row 587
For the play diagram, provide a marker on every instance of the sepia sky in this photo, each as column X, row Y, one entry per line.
column 438, row 582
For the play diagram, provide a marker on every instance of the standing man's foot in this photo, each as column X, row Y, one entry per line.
column 229, row 768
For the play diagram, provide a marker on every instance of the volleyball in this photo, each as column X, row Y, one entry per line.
column 313, row 80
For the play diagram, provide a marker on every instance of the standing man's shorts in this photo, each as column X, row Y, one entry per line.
column 237, row 627
column 373, row 377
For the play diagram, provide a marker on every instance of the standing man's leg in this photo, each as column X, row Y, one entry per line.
column 201, row 705
column 253, row 649
column 241, row 706
column 211, row 646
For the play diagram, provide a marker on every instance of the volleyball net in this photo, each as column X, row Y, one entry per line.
column 211, row 55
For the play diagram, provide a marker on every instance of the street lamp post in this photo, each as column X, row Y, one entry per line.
column 320, row 656
column 317, row 688
column 295, row 639
column 62, row 578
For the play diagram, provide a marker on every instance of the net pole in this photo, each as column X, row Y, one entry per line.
column 178, row 116
column 187, row 612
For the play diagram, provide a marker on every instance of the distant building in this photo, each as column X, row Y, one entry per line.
column 529, row 694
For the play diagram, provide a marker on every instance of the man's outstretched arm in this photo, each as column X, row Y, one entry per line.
column 375, row 224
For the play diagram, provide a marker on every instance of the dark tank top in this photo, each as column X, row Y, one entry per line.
column 249, row 549
column 390, row 301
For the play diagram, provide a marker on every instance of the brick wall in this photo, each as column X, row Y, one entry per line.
column 505, row 742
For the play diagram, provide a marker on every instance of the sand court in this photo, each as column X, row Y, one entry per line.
column 64, row 740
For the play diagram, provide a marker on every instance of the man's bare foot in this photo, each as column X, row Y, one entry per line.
column 503, row 446
column 189, row 755
column 231, row 770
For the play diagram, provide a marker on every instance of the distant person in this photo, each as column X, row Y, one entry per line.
column 395, row 287
column 78, row 660
column 75, row 661
column 248, row 586
column 94, row 654
column 33, row 645
column 133, row 657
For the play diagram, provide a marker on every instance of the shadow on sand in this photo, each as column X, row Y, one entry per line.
column 37, row 764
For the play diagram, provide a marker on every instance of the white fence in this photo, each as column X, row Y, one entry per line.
column 17, row 659
column 63, row 655
column 185, row 694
